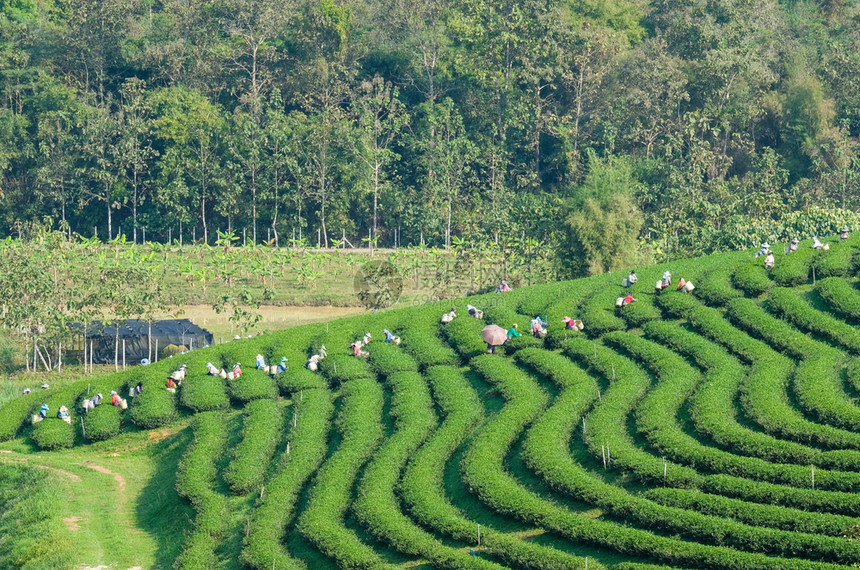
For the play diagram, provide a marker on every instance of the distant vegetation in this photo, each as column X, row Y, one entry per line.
column 615, row 131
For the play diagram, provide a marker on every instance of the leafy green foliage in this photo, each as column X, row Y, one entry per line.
column 203, row 393
column 102, row 422
column 51, row 433
column 263, row 423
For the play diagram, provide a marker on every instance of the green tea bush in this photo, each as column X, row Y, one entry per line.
column 16, row 412
column 715, row 286
column 840, row 296
column 793, row 269
column 322, row 523
column 263, row 423
column 253, row 384
column 390, row 358
column 341, row 368
column 194, row 480
column 840, row 261
column 464, row 334
column 102, row 422
column 298, row 378
column 792, row 308
column 752, row 278
column 154, row 406
column 203, row 393
column 422, row 485
column 52, row 433
column 264, row 545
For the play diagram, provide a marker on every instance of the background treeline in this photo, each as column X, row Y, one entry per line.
column 611, row 129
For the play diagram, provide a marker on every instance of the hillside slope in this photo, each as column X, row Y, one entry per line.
column 716, row 429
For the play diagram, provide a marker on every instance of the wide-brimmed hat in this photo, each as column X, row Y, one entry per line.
column 765, row 245
column 843, row 229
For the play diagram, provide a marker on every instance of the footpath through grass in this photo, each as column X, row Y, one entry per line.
column 112, row 503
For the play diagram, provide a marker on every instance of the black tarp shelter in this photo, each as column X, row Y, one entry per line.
column 136, row 334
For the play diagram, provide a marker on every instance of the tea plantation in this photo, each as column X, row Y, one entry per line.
column 718, row 429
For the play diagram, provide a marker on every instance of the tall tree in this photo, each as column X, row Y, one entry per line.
column 380, row 117
column 134, row 147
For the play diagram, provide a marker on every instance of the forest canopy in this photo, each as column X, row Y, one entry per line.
column 679, row 124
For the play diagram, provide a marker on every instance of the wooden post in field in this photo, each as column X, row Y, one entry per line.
column 664, row 468
column 60, row 357
column 479, row 534
column 123, row 354
column 603, row 452
column 583, row 425
column 83, row 429
column 288, row 448
column 156, row 350
column 27, row 354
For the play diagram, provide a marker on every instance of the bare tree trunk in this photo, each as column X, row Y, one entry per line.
column 109, row 220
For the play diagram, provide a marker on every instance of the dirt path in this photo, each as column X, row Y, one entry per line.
column 72, row 523
column 62, row 472
column 120, row 480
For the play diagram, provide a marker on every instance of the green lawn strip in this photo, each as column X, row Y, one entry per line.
column 263, row 422
column 546, row 451
column 197, row 472
column 422, row 485
column 361, row 432
column 276, row 510
column 376, row 505
column 31, row 511
column 816, row 380
column 119, row 496
column 483, row 470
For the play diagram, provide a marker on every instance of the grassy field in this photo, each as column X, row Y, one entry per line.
column 716, row 429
